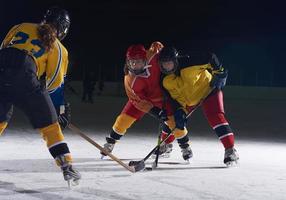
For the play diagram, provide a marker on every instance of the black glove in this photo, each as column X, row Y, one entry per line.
column 158, row 113
column 219, row 80
column 64, row 115
column 215, row 63
column 180, row 118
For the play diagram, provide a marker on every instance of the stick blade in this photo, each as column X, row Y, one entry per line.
column 138, row 165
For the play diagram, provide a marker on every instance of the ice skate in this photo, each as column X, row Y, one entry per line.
column 187, row 153
column 230, row 157
column 108, row 146
column 164, row 151
column 71, row 175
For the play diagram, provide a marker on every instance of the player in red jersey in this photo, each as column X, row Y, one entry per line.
column 142, row 86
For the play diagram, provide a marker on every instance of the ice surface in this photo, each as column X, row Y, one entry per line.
column 27, row 171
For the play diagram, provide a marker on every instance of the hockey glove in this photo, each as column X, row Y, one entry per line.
column 64, row 115
column 158, row 113
column 180, row 118
column 219, row 80
column 215, row 63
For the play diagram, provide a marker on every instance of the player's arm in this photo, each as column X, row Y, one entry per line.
column 55, row 75
column 154, row 49
column 219, row 73
column 9, row 36
column 136, row 93
column 177, row 101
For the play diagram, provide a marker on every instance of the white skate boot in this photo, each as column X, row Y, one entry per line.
column 230, row 157
column 164, row 151
column 108, row 146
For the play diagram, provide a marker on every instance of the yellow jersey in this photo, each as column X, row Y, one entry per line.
column 53, row 63
column 192, row 85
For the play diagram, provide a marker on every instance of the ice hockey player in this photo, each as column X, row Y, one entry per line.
column 142, row 86
column 191, row 81
column 30, row 53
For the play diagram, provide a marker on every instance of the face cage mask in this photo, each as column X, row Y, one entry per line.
column 62, row 29
column 137, row 71
column 164, row 71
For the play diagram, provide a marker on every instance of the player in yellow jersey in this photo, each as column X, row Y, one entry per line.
column 190, row 84
column 30, row 53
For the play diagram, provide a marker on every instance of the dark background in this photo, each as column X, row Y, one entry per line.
column 248, row 36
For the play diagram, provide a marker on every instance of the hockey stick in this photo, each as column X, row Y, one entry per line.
column 142, row 162
column 155, row 164
column 132, row 169
column 161, row 124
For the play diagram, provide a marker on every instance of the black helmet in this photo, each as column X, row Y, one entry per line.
column 168, row 54
column 60, row 19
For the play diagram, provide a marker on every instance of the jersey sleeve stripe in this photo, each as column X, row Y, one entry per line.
column 58, row 67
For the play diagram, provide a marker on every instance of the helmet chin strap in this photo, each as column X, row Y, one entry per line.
column 138, row 71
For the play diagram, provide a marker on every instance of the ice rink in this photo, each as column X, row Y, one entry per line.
column 27, row 171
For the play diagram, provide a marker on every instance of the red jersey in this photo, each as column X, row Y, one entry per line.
column 144, row 90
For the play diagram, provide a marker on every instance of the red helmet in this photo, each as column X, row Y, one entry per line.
column 137, row 51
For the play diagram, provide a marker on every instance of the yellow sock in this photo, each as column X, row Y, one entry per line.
column 52, row 134
column 3, row 125
column 122, row 123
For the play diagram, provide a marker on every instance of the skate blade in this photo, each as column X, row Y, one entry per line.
column 69, row 184
column 231, row 163
column 187, row 162
column 166, row 155
column 75, row 182
column 102, row 157
column 72, row 183
column 161, row 156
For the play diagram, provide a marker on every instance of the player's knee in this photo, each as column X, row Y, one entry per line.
column 216, row 118
column 52, row 134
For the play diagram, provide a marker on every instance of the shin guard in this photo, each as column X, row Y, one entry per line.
column 54, row 138
column 3, row 125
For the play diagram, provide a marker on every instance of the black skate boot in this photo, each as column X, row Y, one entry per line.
column 187, row 153
column 230, row 156
column 185, row 148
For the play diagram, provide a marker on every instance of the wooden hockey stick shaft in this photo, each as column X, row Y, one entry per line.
column 84, row 136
